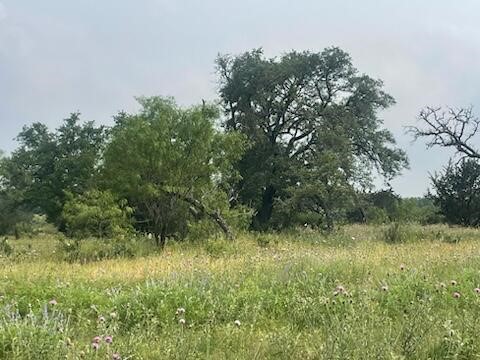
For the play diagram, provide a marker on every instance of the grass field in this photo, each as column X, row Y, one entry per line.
column 350, row 295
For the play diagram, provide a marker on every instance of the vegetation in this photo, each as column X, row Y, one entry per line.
column 303, row 295
column 315, row 134
column 119, row 243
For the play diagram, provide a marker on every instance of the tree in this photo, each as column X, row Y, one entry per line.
column 451, row 128
column 171, row 165
column 49, row 164
column 296, row 107
column 457, row 192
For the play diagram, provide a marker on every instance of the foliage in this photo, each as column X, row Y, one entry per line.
column 48, row 164
column 297, row 110
column 96, row 214
column 457, row 192
column 171, row 163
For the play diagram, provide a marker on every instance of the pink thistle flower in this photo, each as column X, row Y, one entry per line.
column 97, row 340
column 456, row 295
column 95, row 346
column 108, row 339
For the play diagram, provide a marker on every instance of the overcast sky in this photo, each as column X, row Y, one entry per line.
column 59, row 56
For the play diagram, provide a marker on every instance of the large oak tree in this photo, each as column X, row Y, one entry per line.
column 295, row 108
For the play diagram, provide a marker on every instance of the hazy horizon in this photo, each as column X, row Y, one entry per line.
column 59, row 57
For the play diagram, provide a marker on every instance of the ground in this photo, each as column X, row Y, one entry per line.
column 303, row 295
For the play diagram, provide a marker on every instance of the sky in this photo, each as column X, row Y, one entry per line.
column 58, row 57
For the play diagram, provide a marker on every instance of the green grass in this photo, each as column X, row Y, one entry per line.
column 398, row 301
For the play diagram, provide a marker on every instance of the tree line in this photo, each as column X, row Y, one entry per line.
column 295, row 140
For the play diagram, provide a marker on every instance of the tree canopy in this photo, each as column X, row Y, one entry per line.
column 171, row 163
column 296, row 108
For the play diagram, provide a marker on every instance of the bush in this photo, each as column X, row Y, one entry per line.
column 457, row 193
column 395, row 233
column 96, row 214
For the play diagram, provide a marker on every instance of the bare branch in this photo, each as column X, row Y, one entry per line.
column 454, row 128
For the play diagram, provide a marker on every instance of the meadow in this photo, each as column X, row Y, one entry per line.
column 362, row 292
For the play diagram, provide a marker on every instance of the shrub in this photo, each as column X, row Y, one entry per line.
column 96, row 214
column 395, row 233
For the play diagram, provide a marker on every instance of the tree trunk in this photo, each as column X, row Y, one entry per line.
column 264, row 214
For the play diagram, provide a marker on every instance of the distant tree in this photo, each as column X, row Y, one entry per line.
column 450, row 128
column 457, row 192
column 171, row 165
column 295, row 108
column 49, row 164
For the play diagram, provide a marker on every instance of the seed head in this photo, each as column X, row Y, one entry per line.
column 456, row 295
column 180, row 311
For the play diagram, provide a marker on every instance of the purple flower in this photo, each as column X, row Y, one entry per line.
column 96, row 340
column 108, row 339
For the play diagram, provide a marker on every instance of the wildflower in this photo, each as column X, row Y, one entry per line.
column 339, row 290
column 477, row 290
column 453, row 282
column 108, row 339
column 96, row 339
column 52, row 302
column 116, row 356
column 101, row 319
column 402, row 267
column 95, row 346
column 181, row 321
column 456, row 295
column 384, row 288
column 113, row 315
column 353, row 238
column 237, row 323
column 442, row 285
column 180, row 311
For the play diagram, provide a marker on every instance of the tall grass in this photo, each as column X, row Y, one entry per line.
column 303, row 295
